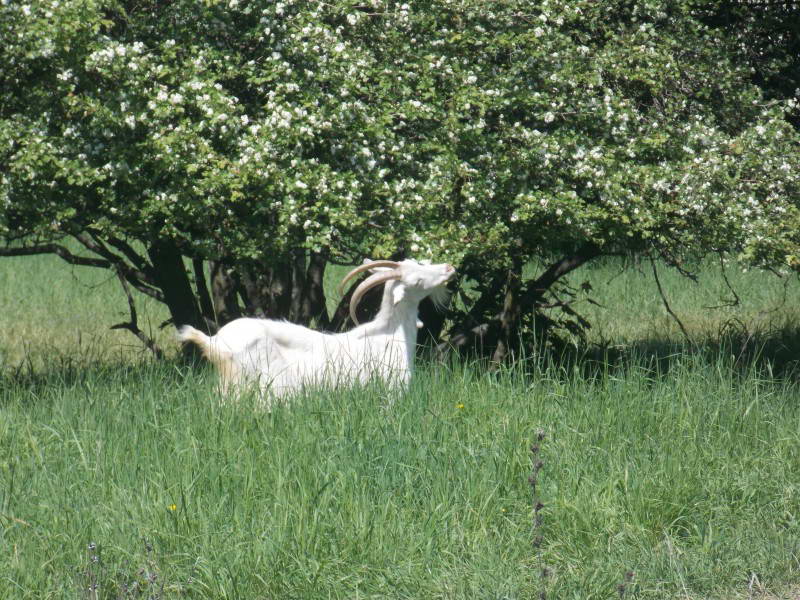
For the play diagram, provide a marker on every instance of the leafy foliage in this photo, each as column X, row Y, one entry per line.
column 265, row 136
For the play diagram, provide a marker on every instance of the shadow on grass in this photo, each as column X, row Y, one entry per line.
column 37, row 384
column 770, row 353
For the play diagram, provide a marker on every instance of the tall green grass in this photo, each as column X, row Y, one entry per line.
column 720, row 303
column 688, row 478
column 121, row 477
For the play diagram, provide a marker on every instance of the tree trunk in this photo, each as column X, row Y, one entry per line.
column 314, row 306
column 297, row 284
column 491, row 326
column 203, row 295
column 224, row 288
column 508, row 339
column 478, row 330
column 294, row 291
column 279, row 290
column 170, row 276
column 267, row 289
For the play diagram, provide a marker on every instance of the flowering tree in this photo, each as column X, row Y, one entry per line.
column 220, row 155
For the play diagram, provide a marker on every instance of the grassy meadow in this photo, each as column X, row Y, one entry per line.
column 671, row 472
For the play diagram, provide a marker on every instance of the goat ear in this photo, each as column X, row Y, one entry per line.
column 398, row 293
column 380, row 269
column 369, row 261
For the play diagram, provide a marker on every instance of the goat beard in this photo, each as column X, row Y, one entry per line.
column 440, row 297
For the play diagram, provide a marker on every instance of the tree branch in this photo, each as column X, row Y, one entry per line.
column 133, row 325
column 138, row 278
column 666, row 304
column 730, row 303
column 59, row 251
column 136, row 259
column 537, row 288
column 98, row 247
column 479, row 328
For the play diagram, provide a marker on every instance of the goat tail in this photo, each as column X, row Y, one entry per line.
column 187, row 333
column 221, row 359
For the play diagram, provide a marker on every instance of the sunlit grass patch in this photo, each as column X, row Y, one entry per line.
column 54, row 314
column 685, row 478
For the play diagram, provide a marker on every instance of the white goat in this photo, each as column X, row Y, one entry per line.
column 282, row 357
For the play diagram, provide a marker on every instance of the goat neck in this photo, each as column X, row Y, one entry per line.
column 393, row 316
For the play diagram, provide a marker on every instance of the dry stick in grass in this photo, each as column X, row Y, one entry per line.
column 91, row 574
column 622, row 588
column 533, row 480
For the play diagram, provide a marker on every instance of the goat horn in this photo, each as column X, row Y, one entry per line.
column 373, row 280
column 365, row 267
